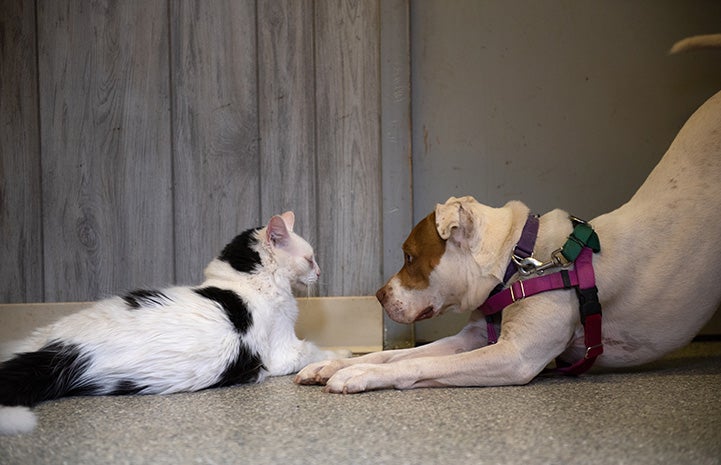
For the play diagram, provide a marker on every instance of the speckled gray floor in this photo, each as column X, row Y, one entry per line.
column 666, row 413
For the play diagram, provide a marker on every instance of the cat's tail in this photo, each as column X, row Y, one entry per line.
column 29, row 378
column 16, row 420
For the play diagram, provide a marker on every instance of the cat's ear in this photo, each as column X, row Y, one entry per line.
column 289, row 218
column 277, row 232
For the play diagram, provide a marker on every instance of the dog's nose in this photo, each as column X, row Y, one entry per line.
column 381, row 295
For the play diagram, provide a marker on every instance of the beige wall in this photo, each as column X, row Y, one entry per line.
column 560, row 104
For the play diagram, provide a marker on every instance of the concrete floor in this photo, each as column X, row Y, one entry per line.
column 668, row 412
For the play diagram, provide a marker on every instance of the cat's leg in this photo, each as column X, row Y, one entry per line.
column 311, row 353
column 290, row 357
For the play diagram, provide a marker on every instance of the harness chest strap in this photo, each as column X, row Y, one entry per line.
column 580, row 277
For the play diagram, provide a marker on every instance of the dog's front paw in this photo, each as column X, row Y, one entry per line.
column 358, row 378
column 319, row 372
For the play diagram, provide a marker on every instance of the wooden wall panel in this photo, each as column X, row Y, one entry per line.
column 215, row 126
column 396, row 149
column 287, row 113
column 106, row 169
column 153, row 132
column 348, row 140
column 20, row 212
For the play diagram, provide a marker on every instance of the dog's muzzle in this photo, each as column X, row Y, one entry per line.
column 398, row 312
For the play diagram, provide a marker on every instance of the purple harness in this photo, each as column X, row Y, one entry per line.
column 581, row 277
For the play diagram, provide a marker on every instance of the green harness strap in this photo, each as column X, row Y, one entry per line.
column 582, row 236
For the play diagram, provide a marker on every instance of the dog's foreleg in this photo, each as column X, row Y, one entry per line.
column 471, row 337
column 499, row 364
column 533, row 334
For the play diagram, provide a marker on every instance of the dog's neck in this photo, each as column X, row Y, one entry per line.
column 553, row 229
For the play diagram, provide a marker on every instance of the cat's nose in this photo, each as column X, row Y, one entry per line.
column 317, row 271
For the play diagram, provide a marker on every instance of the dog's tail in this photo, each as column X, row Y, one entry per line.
column 16, row 420
column 697, row 43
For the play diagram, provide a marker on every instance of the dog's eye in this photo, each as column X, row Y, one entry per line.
column 408, row 259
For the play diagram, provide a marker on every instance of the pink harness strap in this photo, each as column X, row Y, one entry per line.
column 580, row 277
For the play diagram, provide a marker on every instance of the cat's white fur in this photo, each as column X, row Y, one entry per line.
column 185, row 344
column 16, row 420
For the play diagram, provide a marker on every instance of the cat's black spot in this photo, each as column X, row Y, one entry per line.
column 54, row 371
column 144, row 297
column 246, row 366
column 232, row 304
column 240, row 254
column 127, row 388
column 244, row 369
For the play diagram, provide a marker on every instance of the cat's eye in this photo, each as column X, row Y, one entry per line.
column 310, row 259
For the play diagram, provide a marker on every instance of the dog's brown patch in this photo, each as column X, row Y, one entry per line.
column 422, row 251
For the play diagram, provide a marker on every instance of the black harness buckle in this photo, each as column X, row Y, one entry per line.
column 588, row 300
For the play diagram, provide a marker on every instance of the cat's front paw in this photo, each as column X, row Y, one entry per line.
column 320, row 372
column 335, row 354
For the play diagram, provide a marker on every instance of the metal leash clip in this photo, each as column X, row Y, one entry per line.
column 529, row 265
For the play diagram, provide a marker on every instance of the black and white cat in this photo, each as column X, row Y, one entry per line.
column 236, row 327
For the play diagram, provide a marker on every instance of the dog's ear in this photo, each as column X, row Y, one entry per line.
column 446, row 219
column 454, row 220
column 486, row 233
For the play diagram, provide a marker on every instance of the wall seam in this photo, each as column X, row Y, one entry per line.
column 173, row 148
column 43, row 292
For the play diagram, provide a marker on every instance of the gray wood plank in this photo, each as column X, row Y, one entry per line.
column 21, row 278
column 105, row 143
column 348, row 140
column 215, row 129
column 286, row 110
column 396, row 151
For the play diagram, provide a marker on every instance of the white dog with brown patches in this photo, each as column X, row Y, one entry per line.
column 657, row 276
